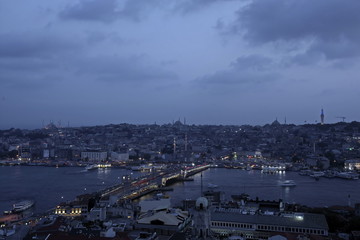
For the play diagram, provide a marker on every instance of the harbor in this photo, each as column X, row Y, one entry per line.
column 48, row 190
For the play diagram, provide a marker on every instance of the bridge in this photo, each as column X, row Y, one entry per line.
column 148, row 183
column 179, row 176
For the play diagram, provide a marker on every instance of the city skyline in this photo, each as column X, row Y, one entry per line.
column 234, row 62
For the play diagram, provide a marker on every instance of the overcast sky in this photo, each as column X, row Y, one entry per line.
column 94, row 62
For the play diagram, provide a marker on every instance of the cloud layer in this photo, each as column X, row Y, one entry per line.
column 331, row 26
column 212, row 61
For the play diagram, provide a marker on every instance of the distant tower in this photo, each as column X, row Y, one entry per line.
column 174, row 148
column 322, row 117
column 201, row 185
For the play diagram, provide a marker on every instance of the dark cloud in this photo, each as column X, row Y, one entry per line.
column 94, row 10
column 331, row 26
column 253, row 69
column 188, row 6
column 253, row 62
column 27, row 60
column 33, row 44
column 234, row 77
column 115, row 69
column 343, row 48
column 108, row 11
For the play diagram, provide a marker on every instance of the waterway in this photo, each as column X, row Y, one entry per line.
column 308, row 191
column 48, row 186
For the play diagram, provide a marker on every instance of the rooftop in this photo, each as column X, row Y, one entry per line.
column 305, row 220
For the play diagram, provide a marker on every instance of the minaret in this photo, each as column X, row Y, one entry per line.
column 174, row 148
column 322, row 117
column 201, row 185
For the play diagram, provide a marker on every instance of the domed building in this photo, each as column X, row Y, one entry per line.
column 202, row 203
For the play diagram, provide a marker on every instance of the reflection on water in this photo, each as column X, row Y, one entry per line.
column 49, row 186
column 265, row 186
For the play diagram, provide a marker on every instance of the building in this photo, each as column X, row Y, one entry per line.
column 25, row 153
column 94, row 156
column 97, row 214
column 71, row 210
column 225, row 222
column 353, row 164
column 119, row 157
column 164, row 222
column 322, row 116
column 76, row 208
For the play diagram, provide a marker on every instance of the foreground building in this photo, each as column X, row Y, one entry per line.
column 233, row 221
column 164, row 222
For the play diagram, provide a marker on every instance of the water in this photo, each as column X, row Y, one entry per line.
column 325, row 192
column 49, row 186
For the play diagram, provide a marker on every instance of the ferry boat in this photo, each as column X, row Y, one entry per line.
column 104, row 165
column 211, row 185
column 270, row 170
column 91, row 167
column 306, row 172
column 22, row 206
column 348, row 175
column 288, row 183
column 317, row 174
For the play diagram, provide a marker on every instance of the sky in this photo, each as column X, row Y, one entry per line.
column 96, row 62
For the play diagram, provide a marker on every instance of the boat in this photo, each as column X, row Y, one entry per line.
column 288, row 183
column 270, row 170
column 330, row 174
column 7, row 232
column 23, row 205
column 91, row 167
column 306, row 172
column 316, row 175
column 348, row 175
column 104, row 165
column 210, row 185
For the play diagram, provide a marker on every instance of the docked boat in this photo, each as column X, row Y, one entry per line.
column 104, row 165
column 306, row 172
column 91, row 167
column 348, row 175
column 270, row 170
column 288, row 183
column 317, row 174
column 22, row 206
column 211, row 185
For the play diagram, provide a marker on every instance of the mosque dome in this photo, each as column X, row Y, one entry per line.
column 202, row 203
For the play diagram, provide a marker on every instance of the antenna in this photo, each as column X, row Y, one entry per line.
column 174, row 148
column 201, row 185
column 343, row 118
